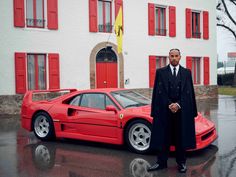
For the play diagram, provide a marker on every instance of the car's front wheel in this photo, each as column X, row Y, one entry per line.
column 138, row 136
column 43, row 126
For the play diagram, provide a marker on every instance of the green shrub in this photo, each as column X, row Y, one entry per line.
column 225, row 79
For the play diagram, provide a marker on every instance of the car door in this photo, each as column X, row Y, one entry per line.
column 91, row 118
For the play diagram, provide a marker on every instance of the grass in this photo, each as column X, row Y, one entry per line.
column 223, row 90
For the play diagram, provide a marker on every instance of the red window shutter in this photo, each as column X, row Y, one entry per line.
column 206, row 71
column 188, row 22
column 152, row 70
column 172, row 21
column 118, row 4
column 20, row 72
column 52, row 9
column 189, row 63
column 54, row 74
column 19, row 13
column 151, row 19
column 93, row 24
column 205, row 25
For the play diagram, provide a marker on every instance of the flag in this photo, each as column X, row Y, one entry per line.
column 119, row 30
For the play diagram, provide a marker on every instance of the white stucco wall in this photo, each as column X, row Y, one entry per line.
column 74, row 42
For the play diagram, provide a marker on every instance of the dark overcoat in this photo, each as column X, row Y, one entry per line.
column 160, row 110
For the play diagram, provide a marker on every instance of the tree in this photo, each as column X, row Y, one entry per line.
column 225, row 20
column 220, row 64
column 234, row 81
column 224, row 15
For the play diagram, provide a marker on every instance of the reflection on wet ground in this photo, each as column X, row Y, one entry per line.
column 23, row 155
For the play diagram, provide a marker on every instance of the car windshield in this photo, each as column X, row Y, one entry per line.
column 130, row 98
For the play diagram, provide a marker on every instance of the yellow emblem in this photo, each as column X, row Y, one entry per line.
column 121, row 116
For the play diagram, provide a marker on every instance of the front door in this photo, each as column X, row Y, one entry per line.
column 106, row 69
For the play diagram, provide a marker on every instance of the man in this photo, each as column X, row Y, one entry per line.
column 173, row 110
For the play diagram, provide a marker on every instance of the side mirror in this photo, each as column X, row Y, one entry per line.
column 111, row 108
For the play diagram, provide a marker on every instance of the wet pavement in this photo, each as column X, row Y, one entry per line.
column 23, row 155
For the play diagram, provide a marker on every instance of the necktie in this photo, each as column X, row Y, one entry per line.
column 174, row 73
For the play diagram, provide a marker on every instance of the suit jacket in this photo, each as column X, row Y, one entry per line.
column 160, row 110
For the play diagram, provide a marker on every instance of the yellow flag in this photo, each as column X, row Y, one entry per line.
column 119, row 30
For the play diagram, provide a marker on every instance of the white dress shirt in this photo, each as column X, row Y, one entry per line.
column 172, row 69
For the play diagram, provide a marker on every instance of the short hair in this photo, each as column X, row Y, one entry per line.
column 175, row 49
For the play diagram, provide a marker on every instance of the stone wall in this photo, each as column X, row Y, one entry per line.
column 201, row 92
column 11, row 104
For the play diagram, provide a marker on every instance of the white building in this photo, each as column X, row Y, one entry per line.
column 71, row 44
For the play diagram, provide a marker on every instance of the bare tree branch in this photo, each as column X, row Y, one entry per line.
column 226, row 27
column 233, row 1
column 218, row 6
column 227, row 12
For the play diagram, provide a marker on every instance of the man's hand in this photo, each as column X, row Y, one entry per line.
column 174, row 107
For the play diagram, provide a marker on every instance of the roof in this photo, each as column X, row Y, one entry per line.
column 231, row 54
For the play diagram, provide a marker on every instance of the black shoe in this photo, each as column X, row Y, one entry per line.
column 182, row 168
column 156, row 167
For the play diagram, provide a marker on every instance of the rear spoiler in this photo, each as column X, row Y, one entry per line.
column 52, row 90
column 28, row 97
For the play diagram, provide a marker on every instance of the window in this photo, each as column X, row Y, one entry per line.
column 196, row 25
column 31, row 13
column 104, row 16
column 96, row 100
column 130, row 99
column 106, row 55
column 160, row 62
column 36, row 72
column 195, row 28
column 109, row 102
column 196, row 70
column 160, row 21
column 101, row 15
column 75, row 101
column 31, row 71
column 157, row 20
column 35, row 13
column 155, row 62
column 194, row 64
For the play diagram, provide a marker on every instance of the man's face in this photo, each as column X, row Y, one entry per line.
column 174, row 57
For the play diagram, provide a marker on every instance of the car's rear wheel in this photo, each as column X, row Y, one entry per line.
column 138, row 136
column 43, row 126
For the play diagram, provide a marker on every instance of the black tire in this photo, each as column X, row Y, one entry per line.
column 43, row 126
column 138, row 136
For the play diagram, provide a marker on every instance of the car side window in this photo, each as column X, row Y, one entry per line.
column 93, row 100
column 109, row 102
column 75, row 101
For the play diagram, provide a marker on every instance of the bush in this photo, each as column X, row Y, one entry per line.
column 225, row 79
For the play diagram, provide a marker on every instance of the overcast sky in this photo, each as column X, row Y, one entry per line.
column 225, row 40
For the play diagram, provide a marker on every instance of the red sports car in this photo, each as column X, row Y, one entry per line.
column 116, row 116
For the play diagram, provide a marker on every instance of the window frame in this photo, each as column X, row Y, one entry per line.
column 155, row 62
column 105, row 96
column 36, row 69
column 196, row 73
column 73, row 98
column 196, row 27
column 104, row 14
column 35, row 15
column 162, row 61
column 158, row 30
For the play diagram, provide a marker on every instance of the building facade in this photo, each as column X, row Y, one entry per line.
column 49, row 44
